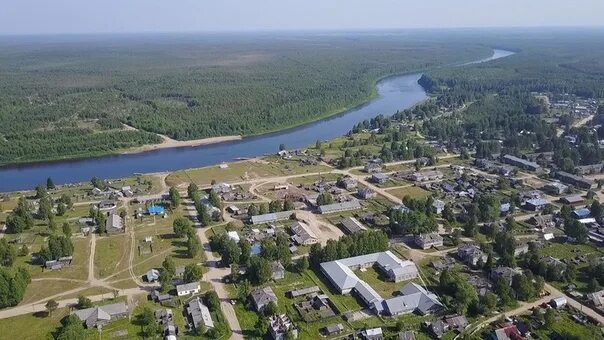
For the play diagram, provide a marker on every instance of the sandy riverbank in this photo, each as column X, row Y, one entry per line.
column 169, row 143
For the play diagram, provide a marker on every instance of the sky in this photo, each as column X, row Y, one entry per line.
column 136, row 16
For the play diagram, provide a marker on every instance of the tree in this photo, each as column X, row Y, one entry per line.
column 66, row 229
column 261, row 327
column 288, row 205
column 193, row 246
column 174, row 197
column 193, row 191
column 302, row 264
column 45, row 207
column 230, row 253
column 181, row 225
column 24, row 250
column 215, row 200
column 324, row 198
column 193, row 273
column 275, row 206
column 51, row 306
column 549, row 317
column 41, row 192
column 281, row 147
column 252, row 210
column 593, row 285
column 169, row 267
column 204, row 215
column 212, row 300
column 263, row 209
column 243, row 290
column 259, row 270
column 83, row 302
column 270, row 309
column 149, row 328
column 50, row 184
column 246, row 252
column 72, row 329
column 8, row 253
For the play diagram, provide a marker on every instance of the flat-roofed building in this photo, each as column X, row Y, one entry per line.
column 339, row 207
column 272, row 217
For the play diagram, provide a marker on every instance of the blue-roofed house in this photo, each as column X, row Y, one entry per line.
column 581, row 213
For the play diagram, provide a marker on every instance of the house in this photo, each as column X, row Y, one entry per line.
column 272, row 217
column 589, row 169
column 535, row 204
column 261, row 297
column 572, row 199
column 332, row 329
column 581, row 213
column 152, row 275
column 508, row 332
column 578, row 181
column 427, row 241
column 199, row 314
column 279, row 325
column 379, row 178
column 233, row 209
column 339, row 207
column 165, row 318
column 438, row 206
column 372, row 167
column 521, row 163
column 470, row 254
column 543, row 221
column 372, row 334
column 101, row 315
column 555, row 188
column 408, row 335
column 233, row 235
column 161, row 298
column 596, row 298
column 278, row 271
column 426, row 176
column 351, row 225
column 114, row 224
column 188, row 289
column 303, row 291
column 348, row 183
column 127, row 191
column 303, row 235
column 221, row 188
column 506, row 273
column 367, row 193
column 61, row 263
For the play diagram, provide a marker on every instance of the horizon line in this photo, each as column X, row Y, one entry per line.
column 300, row 30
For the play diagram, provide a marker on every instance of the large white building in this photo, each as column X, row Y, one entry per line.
column 414, row 297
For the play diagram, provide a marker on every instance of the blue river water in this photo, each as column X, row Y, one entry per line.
column 394, row 93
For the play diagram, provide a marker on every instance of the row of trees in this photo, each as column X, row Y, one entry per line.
column 183, row 227
column 362, row 243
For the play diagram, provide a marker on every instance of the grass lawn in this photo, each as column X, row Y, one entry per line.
column 111, row 255
column 565, row 325
column 567, row 250
column 39, row 290
column 269, row 166
column 32, row 326
column 412, row 191
column 385, row 288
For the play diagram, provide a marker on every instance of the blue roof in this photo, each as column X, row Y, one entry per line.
column 582, row 212
column 156, row 210
column 256, row 249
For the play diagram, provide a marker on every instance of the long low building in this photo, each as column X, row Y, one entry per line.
column 578, row 181
column 352, row 225
column 413, row 298
column 272, row 217
column 521, row 163
column 339, row 207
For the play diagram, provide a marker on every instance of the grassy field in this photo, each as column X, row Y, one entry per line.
column 412, row 191
column 386, row 289
column 32, row 326
column 111, row 254
column 240, row 171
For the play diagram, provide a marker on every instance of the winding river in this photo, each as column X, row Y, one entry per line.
column 394, row 93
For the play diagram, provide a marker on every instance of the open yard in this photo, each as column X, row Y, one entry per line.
column 111, row 254
column 411, row 191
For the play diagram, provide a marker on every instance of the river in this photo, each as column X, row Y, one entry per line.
column 394, row 93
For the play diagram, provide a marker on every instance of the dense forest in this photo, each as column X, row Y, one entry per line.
column 69, row 96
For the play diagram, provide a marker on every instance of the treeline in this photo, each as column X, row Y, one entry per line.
column 366, row 242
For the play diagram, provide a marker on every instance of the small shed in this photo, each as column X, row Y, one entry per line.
column 558, row 302
column 156, row 210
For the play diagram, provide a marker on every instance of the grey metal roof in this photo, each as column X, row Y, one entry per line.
column 199, row 313
column 91, row 315
column 187, row 286
column 266, row 218
column 303, row 231
column 349, row 205
column 352, row 225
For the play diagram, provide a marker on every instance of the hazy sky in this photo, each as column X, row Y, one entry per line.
column 95, row 16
